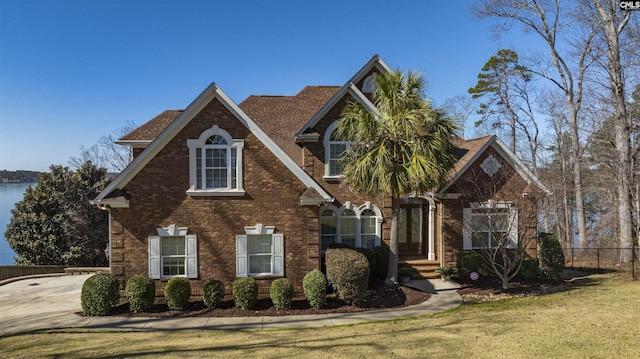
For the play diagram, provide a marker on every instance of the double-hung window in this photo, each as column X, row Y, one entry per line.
column 334, row 149
column 260, row 252
column 490, row 225
column 173, row 253
column 215, row 164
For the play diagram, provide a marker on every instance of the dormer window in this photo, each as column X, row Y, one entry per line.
column 215, row 164
column 334, row 149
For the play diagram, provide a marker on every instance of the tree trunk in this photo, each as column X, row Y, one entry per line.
column 622, row 125
column 577, row 173
column 392, row 270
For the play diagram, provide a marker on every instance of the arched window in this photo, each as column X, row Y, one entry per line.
column 355, row 226
column 333, row 149
column 215, row 164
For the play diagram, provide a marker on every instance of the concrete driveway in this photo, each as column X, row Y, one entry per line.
column 41, row 303
column 50, row 302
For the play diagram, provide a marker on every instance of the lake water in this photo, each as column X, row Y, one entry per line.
column 10, row 194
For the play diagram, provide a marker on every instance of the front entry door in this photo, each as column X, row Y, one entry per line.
column 410, row 230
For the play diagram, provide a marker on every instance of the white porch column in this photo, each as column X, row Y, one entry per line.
column 432, row 221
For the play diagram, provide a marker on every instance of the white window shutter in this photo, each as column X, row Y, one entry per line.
column 513, row 228
column 241, row 256
column 466, row 229
column 278, row 255
column 154, row 257
column 191, row 258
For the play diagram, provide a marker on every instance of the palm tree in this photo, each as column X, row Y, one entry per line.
column 404, row 147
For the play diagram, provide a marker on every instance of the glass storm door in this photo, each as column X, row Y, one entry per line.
column 410, row 230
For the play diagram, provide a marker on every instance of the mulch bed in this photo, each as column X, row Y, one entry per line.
column 378, row 297
column 488, row 289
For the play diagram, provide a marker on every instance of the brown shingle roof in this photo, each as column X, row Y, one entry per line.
column 152, row 128
column 280, row 117
column 467, row 149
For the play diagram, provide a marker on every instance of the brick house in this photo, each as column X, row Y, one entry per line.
column 224, row 190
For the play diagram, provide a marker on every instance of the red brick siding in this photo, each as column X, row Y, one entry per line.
column 476, row 186
column 159, row 199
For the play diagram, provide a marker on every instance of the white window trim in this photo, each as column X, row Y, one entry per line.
column 155, row 252
column 512, row 227
column 358, row 211
column 200, row 143
column 327, row 153
column 243, row 256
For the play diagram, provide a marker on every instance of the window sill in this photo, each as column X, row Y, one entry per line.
column 265, row 276
column 215, row 193
column 332, row 178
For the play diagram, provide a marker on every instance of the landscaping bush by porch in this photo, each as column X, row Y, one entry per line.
column 468, row 262
column 348, row 273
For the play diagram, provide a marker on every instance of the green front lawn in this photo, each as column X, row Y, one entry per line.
column 597, row 318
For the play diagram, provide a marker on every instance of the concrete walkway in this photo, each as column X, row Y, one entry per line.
column 51, row 302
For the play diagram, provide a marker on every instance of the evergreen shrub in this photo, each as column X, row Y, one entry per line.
column 371, row 258
column 551, row 256
column 177, row 293
column 381, row 266
column 245, row 292
column 314, row 285
column 281, row 293
column 140, row 292
column 468, row 262
column 348, row 273
column 100, row 293
column 529, row 269
column 212, row 292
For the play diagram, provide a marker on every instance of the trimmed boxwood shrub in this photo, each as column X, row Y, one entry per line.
column 140, row 292
column 314, row 285
column 551, row 256
column 245, row 292
column 177, row 293
column 348, row 274
column 281, row 293
column 100, row 293
column 529, row 269
column 381, row 266
column 468, row 262
column 212, row 292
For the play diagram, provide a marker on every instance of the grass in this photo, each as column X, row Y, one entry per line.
column 596, row 318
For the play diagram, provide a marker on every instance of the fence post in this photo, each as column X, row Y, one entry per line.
column 633, row 261
column 598, row 256
column 572, row 258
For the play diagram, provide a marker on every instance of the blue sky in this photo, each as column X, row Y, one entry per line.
column 72, row 71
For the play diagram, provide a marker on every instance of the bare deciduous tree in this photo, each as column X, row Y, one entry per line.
column 106, row 153
column 550, row 20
